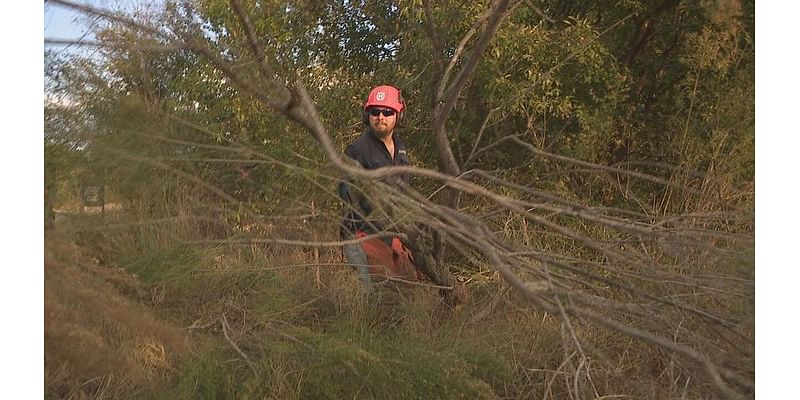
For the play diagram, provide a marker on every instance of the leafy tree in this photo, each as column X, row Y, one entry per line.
column 599, row 159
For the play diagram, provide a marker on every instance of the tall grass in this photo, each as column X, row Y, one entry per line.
column 263, row 322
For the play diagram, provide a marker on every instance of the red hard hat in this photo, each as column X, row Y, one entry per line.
column 385, row 96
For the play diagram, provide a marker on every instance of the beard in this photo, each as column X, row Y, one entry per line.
column 382, row 130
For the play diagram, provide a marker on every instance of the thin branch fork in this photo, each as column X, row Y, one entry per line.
column 255, row 47
column 459, row 50
column 135, row 47
column 495, row 15
column 605, row 168
column 225, row 328
column 443, row 96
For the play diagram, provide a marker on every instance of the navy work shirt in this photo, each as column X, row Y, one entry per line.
column 371, row 153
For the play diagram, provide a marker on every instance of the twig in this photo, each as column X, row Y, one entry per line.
column 224, row 322
column 300, row 243
column 422, row 284
column 91, row 43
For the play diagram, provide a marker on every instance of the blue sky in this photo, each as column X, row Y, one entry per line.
column 64, row 23
column 61, row 23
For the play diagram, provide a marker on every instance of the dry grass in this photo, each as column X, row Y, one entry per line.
column 98, row 343
column 535, row 347
column 294, row 315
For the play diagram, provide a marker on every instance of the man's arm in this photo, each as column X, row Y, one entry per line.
column 345, row 188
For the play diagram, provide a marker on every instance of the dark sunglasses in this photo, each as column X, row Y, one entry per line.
column 387, row 112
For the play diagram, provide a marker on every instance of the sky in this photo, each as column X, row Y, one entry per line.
column 64, row 23
column 22, row 288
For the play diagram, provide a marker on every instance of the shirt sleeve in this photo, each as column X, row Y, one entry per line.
column 353, row 153
column 344, row 187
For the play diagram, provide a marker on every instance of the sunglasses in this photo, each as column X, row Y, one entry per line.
column 387, row 112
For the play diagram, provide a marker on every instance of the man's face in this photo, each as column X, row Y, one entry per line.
column 382, row 124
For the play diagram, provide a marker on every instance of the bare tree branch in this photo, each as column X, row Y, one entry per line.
column 257, row 50
column 225, row 328
column 495, row 15
column 457, row 54
column 91, row 43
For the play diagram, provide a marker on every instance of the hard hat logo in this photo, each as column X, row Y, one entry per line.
column 385, row 96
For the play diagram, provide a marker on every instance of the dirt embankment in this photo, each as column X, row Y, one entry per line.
column 95, row 330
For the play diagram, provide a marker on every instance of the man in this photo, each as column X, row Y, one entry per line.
column 379, row 146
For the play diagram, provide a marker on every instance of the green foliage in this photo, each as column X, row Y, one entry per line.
column 393, row 367
column 207, row 376
column 342, row 361
column 584, row 81
column 163, row 265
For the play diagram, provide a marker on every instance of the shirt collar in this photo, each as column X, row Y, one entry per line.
column 395, row 138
